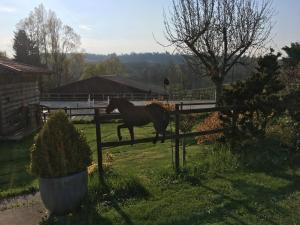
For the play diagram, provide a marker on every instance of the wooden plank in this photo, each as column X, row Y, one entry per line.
column 99, row 145
column 177, row 124
column 14, row 99
column 150, row 139
column 1, row 116
column 18, row 96
column 18, row 87
column 104, row 117
column 14, row 106
column 199, row 103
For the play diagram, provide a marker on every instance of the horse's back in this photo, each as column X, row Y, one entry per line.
column 137, row 116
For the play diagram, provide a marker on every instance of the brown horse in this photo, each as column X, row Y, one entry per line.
column 139, row 116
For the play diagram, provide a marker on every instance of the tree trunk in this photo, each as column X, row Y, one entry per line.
column 219, row 90
column 183, row 151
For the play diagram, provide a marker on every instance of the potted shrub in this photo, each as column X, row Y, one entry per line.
column 60, row 156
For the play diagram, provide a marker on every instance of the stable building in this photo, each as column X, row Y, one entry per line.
column 19, row 99
column 104, row 87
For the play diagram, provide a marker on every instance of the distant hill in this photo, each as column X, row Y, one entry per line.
column 152, row 68
column 160, row 58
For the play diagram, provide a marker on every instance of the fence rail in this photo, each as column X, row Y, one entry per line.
column 195, row 94
column 100, row 118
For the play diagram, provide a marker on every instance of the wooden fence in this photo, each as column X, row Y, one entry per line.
column 100, row 118
column 195, row 94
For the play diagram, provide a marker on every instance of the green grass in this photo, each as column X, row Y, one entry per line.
column 141, row 187
column 14, row 159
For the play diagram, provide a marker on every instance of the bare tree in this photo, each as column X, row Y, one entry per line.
column 54, row 39
column 218, row 32
column 74, row 67
column 3, row 55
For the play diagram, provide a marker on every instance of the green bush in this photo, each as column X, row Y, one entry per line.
column 267, row 155
column 220, row 159
column 215, row 161
column 292, row 101
column 284, row 130
column 59, row 149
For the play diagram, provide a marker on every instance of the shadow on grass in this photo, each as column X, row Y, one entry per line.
column 243, row 203
column 224, row 211
column 246, row 201
column 114, row 203
column 258, row 199
column 107, row 194
column 14, row 161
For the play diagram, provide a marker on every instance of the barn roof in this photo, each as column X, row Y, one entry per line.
column 139, row 85
column 107, row 84
column 21, row 68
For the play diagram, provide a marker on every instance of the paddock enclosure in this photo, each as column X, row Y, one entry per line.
column 180, row 109
column 98, row 117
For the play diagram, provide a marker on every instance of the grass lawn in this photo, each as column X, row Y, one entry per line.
column 14, row 159
column 142, row 189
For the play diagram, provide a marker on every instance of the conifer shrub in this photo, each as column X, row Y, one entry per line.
column 59, row 149
column 257, row 101
column 292, row 102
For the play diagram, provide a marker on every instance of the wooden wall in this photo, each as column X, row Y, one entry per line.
column 0, row 117
column 18, row 99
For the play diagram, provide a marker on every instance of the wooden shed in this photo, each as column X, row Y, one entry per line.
column 19, row 99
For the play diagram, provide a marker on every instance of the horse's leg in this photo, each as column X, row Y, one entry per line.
column 163, row 131
column 130, row 128
column 163, row 136
column 159, row 130
column 156, row 133
column 156, row 136
column 119, row 131
column 164, row 126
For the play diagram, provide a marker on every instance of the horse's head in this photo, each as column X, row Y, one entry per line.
column 118, row 103
column 112, row 105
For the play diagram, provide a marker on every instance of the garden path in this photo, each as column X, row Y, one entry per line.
column 22, row 210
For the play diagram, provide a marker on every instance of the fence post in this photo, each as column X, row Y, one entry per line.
column 183, row 143
column 99, row 144
column 177, row 138
column 233, row 123
column 44, row 117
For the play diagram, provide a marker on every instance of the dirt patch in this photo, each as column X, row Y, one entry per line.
column 22, row 210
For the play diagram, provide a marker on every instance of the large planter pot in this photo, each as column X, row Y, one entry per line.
column 64, row 194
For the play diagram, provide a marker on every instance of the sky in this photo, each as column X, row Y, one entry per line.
column 125, row 26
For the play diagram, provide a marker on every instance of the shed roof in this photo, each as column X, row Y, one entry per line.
column 107, row 84
column 22, row 68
